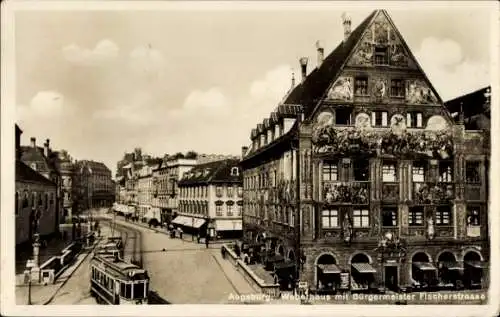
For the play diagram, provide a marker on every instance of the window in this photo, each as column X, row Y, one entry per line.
column 218, row 210
column 473, row 216
column 418, row 172
column 230, row 191
column 139, row 290
column 445, row 172
column 414, row 119
column 234, row 171
column 240, row 191
column 128, row 291
column 343, row 116
column 218, row 191
column 361, row 86
column 379, row 118
column 416, row 216
column 329, row 219
column 361, row 170
column 389, row 172
column 275, row 181
column 47, row 201
column 397, row 88
column 33, row 200
column 229, row 210
column 389, row 217
column 381, row 57
column 361, row 218
column 240, row 210
column 472, row 172
column 330, row 171
column 443, row 216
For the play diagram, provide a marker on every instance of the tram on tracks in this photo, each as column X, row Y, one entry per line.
column 116, row 282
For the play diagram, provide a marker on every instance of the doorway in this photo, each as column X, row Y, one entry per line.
column 391, row 277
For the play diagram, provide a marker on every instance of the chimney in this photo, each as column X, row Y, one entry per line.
column 244, row 149
column 46, row 148
column 293, row 80
column 346, row 21
column 303, row 66
column 33, row 142
column 321, row 52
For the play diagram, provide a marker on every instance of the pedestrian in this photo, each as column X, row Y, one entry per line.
column 180, row 233
column 198, row 238
column 207, row 238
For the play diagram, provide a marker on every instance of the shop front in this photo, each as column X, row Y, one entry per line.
column 473, row 270
column 450, row 272
column 362, row 274
column 228, row 228
column 328, row 275
column 191, row 225
column 423, row 272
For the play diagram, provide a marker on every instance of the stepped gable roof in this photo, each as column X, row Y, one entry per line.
column 309, row 92
column 212, row 172
column 24, row 173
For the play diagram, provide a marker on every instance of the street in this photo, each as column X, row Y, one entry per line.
column 187, row 272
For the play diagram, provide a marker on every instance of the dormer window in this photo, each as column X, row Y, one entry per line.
column 235, row 171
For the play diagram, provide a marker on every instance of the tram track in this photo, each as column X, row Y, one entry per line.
column 134, row 236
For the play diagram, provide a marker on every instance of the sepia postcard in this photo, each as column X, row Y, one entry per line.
column 249, row 158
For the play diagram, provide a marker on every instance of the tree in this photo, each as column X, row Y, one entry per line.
column 178, row 155
column 191, row 155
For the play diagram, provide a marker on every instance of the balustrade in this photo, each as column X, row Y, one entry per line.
column 428, row 193
column 351, row 192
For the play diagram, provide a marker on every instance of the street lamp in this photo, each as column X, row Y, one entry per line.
column 32, row 264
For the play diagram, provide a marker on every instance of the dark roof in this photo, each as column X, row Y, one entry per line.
column 317, row 82
column 212, row 172
column 32, row 155
column 25, row 174
column 473, row 103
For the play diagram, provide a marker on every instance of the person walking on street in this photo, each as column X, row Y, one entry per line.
column 198, row 237
column 207, row 238
column 180, row 233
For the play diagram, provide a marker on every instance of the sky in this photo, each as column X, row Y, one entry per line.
column 100, row 83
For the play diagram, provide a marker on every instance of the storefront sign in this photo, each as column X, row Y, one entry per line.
column 344, row 280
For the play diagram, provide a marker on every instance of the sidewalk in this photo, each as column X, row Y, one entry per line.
column 43, row 295
column 185, row 236
column 234, row 275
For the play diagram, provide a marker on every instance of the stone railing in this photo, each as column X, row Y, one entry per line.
column 351, row 192
column 427, row 193
column 256, row 282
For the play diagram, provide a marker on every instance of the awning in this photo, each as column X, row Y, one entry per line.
column 228, row 225
column 476, row 264
column 424, row 266
column 198, row 222
column 275, row 258
column 284, row 265
column 329, row 268
column 181, row 220
column 363, row 268
column 452, row 265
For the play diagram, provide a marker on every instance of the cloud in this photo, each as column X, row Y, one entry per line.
column 451, row 73
column 211, row 100
column 45, row 104
column 147, row 61
column 104, row 51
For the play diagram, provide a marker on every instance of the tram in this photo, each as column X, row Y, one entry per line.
column 116, row 282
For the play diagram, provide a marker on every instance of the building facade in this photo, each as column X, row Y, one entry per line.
column 44, row 161
column 210, row 200
column 94, row 183
column 35, row 201
column 361, row 178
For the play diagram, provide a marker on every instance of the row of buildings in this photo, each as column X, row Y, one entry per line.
column 51, row 187
column 200, row 193
column 362, row 176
